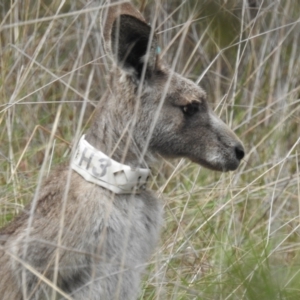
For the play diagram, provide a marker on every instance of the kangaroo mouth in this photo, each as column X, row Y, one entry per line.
column 231, row 165
column 224, row 160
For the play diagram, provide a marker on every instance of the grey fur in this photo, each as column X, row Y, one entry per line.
column 107, row 239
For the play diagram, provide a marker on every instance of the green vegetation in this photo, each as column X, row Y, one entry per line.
column 226, row 236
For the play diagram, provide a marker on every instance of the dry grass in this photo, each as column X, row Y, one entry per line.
column 226, row 236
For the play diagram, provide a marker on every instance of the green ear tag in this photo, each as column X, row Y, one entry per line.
column 158, row 50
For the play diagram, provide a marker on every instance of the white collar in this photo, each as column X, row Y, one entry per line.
column 96, row 167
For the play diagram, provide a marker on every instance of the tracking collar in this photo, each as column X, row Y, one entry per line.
column 96, row 167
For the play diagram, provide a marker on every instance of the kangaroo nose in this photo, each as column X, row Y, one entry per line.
column 239, row 151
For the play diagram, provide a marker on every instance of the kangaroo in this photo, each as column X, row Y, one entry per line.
column 98, row 246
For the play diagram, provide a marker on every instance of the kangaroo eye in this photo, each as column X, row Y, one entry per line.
column 190, row 109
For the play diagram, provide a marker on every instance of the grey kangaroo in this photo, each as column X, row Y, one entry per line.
column 98, row 246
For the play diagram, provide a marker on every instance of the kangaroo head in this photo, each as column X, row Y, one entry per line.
column 169, row 114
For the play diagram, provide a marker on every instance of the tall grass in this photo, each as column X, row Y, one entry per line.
column 226, row 236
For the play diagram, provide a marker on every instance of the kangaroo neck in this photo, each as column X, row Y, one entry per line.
column 114, row 141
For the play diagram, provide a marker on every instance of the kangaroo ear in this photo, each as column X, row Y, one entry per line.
column 130, row 41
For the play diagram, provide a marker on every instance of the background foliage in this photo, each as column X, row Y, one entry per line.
column 226, row 236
